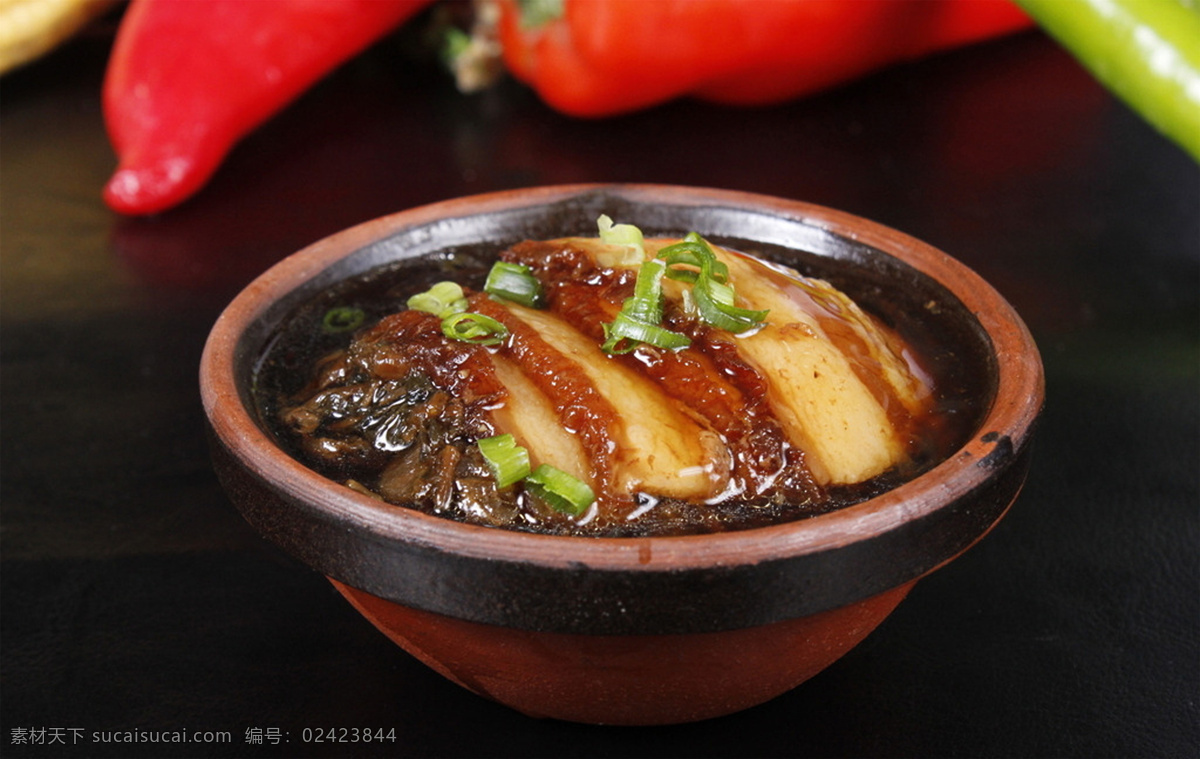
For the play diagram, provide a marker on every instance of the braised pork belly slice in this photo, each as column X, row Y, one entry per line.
column 710, row 379
column 639, row 438
column 836, row 382
column 529, row 415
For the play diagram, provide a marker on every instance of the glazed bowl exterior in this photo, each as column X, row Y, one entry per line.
column 646, row 630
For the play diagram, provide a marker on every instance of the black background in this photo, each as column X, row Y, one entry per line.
column 135, row 598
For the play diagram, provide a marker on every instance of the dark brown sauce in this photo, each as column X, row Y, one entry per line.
column 289, row 364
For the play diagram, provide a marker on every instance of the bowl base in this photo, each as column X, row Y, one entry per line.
column 627, row 679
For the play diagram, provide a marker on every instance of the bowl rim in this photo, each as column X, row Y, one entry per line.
column 1005, row 429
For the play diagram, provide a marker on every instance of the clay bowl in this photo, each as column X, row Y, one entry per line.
column 636, row 630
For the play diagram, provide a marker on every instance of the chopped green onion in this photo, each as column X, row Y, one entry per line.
column 622, row 234
column 695, row 251
column 711, row 292
column 508, row 461
column 640, row 316
column 647, row 301
column 714, row 303
column 720, row 292
column 474, row 328
column 626, row 332
column 342, row 319
column 514, row 282
column 442, row 300
column 559, row 489
column 691, row 260
column 649, row 280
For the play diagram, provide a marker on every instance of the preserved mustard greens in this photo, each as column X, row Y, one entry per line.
column 619, row 384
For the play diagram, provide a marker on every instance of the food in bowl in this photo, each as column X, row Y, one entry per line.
column 609, row 386
column 635, row 628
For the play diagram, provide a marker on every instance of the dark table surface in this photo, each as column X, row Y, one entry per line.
column 136, row 599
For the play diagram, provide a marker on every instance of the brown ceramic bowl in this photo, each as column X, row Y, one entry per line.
column 636, row 630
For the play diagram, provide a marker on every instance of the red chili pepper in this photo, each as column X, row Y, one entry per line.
column 187, row 80
column 598, row 58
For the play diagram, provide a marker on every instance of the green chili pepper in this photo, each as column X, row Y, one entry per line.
column 1147, row 52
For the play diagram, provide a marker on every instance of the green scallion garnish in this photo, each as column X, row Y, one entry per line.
column 514, row 282
column 647, row 300
column 448, row 302
column 622, row 234
column 640, row 317
column 562, row 491
column 714, row 303
column 695, row 251
column 508, row 461
column 342, row 319
column 692, row 261
column 711, row 292
column 442, row 300
column 474, row 328
column 625, row 333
